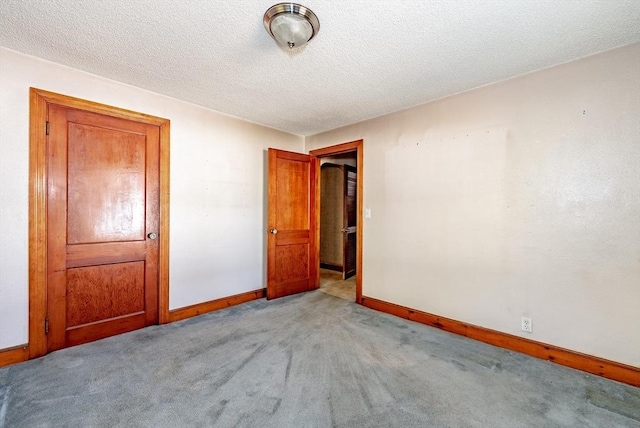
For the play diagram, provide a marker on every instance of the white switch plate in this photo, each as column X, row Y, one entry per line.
column 367, row 213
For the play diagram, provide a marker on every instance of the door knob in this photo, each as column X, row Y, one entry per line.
column 152, row 235
column 273, row 231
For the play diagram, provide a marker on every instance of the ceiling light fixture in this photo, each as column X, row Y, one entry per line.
column 291, row 24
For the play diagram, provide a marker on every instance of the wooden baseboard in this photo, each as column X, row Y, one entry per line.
column 18, row 354
column 331, row 266
column 13, row 355
column 588, row 363
column 214, row 305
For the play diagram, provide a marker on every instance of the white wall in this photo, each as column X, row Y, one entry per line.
column 217, row 187
column 341, row 160
column 517, row 199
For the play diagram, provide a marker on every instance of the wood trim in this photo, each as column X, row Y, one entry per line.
column 163, row 255
column 272, row 190
column 94, row 107
column 358, row 147
column 351, row 146
column 39, row 101
column 315, row 214
column 214, row 305
column 566, row 357
column 37, row 223
column 13, row 355
column 331, row 266
column 314, row 224
column 360, row 230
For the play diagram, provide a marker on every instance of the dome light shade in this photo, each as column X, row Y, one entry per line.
column 291, row 24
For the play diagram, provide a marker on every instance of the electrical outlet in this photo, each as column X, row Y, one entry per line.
column 525, row 325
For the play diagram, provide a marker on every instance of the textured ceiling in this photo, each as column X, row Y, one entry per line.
column 370, row 57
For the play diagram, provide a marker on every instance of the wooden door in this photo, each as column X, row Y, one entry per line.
column 350, row 221
column 331, row 217
column 292, row 261
column 102, row 225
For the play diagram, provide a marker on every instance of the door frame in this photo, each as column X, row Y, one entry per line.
column 38, row 109
column 352, row 146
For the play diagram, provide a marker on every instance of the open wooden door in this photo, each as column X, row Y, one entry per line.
column 350, row 222
column 292, row 261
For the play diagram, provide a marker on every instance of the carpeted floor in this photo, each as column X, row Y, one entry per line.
column 310, row 360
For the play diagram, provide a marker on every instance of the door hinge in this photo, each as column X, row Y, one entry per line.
column 46, row 326
column 47, row 127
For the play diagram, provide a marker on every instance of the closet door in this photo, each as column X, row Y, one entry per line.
column 350, row 216
column 102, row 225
column 332, row 217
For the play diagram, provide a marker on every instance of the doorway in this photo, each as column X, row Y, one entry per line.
column 98, row 236
column 340, row 199
column 293, row 249
column 338, row 224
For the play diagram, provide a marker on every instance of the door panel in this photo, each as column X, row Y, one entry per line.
column 120, row 284
column 292, row 196
column 114, row 162
column 108, row 252
column 102, row 201
column 350, row 221
column 291, row 262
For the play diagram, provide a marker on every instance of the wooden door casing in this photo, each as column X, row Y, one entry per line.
column 292, row 260
column 357, row 147
column 40, row 100
column 103, row 200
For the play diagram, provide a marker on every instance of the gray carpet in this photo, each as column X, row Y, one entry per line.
column 310, row 360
